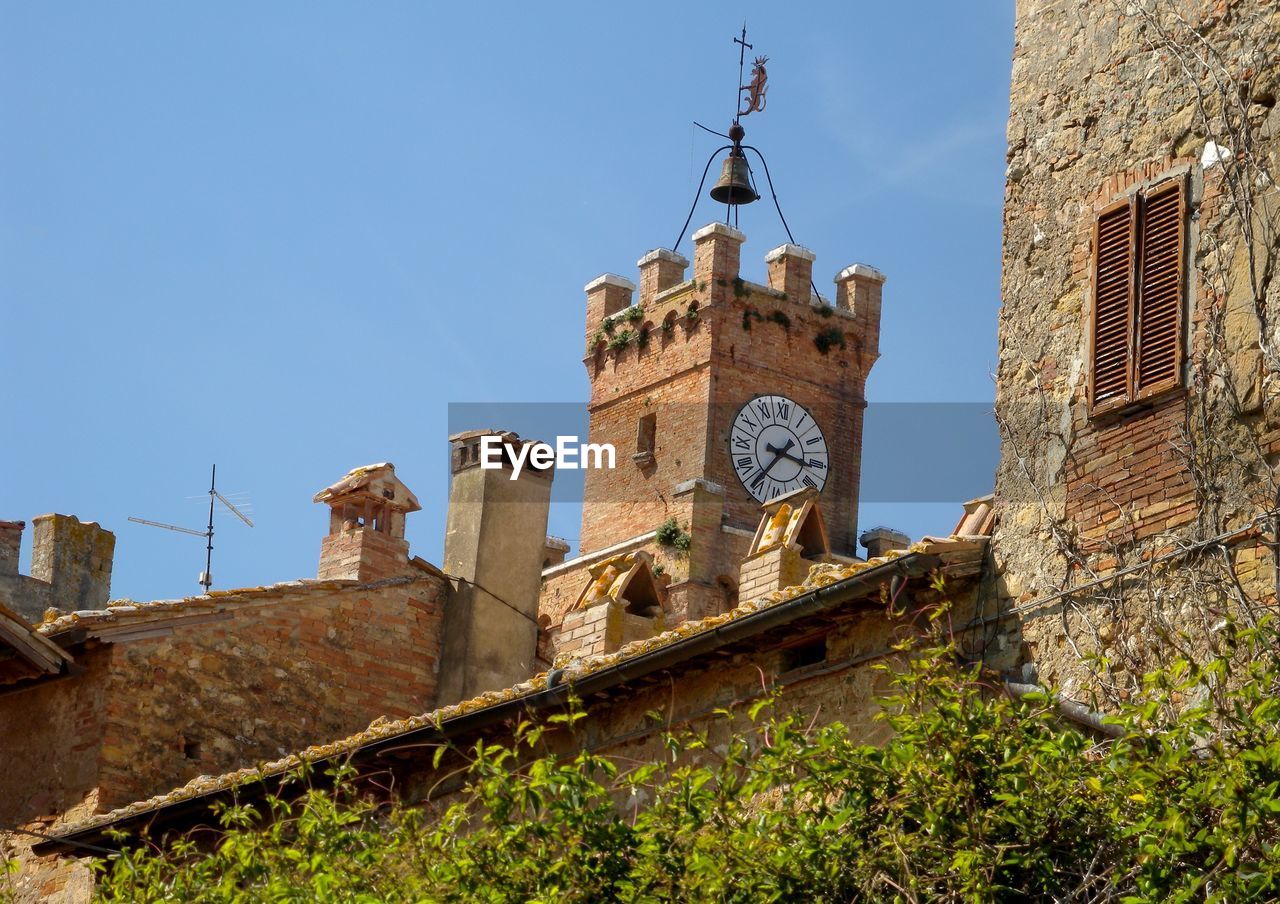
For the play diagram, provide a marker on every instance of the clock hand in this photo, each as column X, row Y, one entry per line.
column 783, row 452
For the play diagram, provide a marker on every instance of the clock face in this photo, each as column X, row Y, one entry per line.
column 777, row 447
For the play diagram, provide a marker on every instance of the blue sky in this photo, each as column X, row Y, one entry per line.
column 283, row 237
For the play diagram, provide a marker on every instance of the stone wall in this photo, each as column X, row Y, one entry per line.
column 50, row 737
column 260, row 681
column 210, row 685
column 50, row 746
column 70, row 565
column 1107, row 99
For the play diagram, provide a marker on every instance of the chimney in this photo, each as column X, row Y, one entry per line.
column 366, row 526
column 660, row 269
column 717, row 256
column 495, row 543
column 554, row 551
column 880, row 540
column 791, row 271
column 606, row 296
column 74, row 559
column 858, row 289
column 10, row 546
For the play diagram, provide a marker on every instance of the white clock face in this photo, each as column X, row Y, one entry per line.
column 777, row 447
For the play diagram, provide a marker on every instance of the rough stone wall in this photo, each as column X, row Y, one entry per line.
column 74, row 559
column 70, row 566
column 50, row 739
column 10, row 546
column 1107, row 98
column 264, row 680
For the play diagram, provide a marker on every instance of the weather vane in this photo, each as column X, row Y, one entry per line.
column 759, row 78
column 736, row 185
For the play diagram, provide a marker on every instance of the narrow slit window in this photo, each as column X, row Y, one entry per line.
column 646, row 433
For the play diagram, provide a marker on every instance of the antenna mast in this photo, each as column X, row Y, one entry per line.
column 206, row 576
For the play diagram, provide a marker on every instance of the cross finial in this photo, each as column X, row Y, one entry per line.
column 742, row 58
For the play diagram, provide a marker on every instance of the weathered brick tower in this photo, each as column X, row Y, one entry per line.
column 720, row 394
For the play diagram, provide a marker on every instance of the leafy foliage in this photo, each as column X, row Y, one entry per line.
column 829, row 338
column 670, row 533
column 978, row 796
column 621, row 339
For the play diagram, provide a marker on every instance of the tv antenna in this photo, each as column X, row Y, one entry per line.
column 206, row 576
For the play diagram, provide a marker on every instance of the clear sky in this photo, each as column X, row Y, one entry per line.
column 283, row 237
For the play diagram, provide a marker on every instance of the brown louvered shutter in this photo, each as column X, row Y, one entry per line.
column 1113, row 279
column 1158, row 361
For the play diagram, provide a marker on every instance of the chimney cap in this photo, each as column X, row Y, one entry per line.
column 884, row 533
column 378, row 480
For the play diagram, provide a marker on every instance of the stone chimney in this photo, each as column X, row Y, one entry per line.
column 366, row 526
column 74, row 558
column 10, row 546
column 494, row 546
column 858, row 290
column 554, row 552
column 881, row 540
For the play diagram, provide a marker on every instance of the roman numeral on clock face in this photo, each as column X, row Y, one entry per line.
column 776, row 447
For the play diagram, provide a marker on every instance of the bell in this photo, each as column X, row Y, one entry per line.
column 734, row 185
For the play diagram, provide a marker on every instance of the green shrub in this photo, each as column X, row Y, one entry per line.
column 828, row 339
column 670, row 533
column 976, row 796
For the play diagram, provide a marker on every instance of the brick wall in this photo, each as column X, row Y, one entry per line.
column 694, row 373
column 49, row 741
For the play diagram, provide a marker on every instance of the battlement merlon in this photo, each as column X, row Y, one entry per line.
column 858, row 291
column 660, row 269
column 791, row 271
column 606, row 295
column 717, row 258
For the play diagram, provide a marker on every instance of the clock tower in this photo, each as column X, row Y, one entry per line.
column 719, row 394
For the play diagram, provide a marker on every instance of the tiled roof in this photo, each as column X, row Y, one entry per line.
column 952, row 550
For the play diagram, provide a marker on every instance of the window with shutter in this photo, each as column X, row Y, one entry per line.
column 1136, row 323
